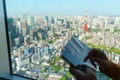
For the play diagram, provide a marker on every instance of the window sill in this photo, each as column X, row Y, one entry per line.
column 12, row 77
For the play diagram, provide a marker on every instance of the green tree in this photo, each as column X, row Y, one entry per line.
column 63, row 78
column 57, row 59
column 87, row 37
column 68, row 74
column 103, row 47
column 116, row 30
column 46, row 76
column 115, row 50
column 50, row 41
column 43, row 71
column 107, row 30
column 56, row 68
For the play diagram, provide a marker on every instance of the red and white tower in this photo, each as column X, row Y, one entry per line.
column 85, row 27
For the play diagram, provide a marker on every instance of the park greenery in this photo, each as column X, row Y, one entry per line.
column 67, row 76
column 116, row 30
column 56, row 68
column 106, row 30
column 46, row 76
column 63, row 78
column 87, row 37
column 103, row 47
column 50, row 41
column 57, row 59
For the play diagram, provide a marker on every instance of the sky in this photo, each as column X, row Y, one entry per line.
column 62, row 7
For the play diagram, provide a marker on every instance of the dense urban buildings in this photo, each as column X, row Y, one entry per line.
column 36, row 42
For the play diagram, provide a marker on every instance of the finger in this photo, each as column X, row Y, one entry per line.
column 77, row 73
column 100, row 54
column 93, row 63
column 87, row 57
column 102, row 63
column 96, row 53
column 90, row 70
column 89, row 54
column 101, row 69
column 91, row 74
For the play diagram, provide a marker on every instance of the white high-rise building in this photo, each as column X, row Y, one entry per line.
column 28, row 21
column 19, row 27
column 24, row 27
column 117, row 21
column 17, row 42
column 111, row 28
column 95, row 22
column 18, row 61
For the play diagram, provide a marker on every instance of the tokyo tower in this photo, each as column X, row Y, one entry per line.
column 85, row 27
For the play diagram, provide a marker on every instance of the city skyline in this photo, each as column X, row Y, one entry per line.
column 62, row 7
column 36, row 43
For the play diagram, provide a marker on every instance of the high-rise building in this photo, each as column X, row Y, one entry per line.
column 117, row 21
column 10, row 41
column 111, row 27
column 12, row 30
column 17, row 42
column 24, row 27
column 94, row 22
column 19, row 27
column 52, row 20
column 47, row 19
column 68, row 24
column 30, row 22
column 85, row 27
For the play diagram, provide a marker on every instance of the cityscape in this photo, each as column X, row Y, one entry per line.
column 36, row 42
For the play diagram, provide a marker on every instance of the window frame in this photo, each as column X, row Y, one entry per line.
column 6, row 72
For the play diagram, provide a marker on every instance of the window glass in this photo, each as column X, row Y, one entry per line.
column 39, row 29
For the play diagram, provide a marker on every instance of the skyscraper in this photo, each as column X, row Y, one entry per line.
column 12, row 30
column 19, row 26
column 24, row 27
column 30, row 22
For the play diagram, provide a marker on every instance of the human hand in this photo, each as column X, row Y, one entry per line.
column 97, row 56
column 89, row 74
column 105, row 66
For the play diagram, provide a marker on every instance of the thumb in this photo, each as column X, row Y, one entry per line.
column 101, row 69
column 102, row 63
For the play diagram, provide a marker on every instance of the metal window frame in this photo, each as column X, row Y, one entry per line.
column 5, row 54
